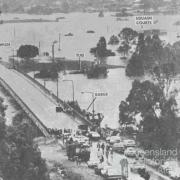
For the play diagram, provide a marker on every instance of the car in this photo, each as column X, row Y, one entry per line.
column 164, row 169
column 94, row 135
column 92, row 163
column 113, row 173
column 108, row 138
column 173, row 174
column 66, row 135
column 136, row 166
column 80, row 139
column 105, row 169
column 115, row 139
column 129, row 143
column 141, row 154
column 130, row 152
column 118, row 147
column 99, row 167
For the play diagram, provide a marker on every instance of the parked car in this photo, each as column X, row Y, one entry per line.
column 113, row 173
column 94, row 135
column 140, row 154
column 115, row 139
column 129, row 143
column 130, row 152
column 173, row 174
column 92, row 163
column 108, row 139
column 164, row 169
column 136, row 166
column 118, row 147
column 105, row 169
column 80, row 139
column 99, row 167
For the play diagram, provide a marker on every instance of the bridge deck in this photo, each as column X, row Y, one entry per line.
column 37, row 101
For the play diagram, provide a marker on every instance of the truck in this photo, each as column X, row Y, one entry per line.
column 77, row 151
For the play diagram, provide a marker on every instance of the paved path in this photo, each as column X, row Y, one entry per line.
column 37, row 101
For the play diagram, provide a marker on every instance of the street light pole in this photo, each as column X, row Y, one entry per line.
column 92, row 93
column 53, row 52
column 54, row 42
column 72, row 87
column 59, row 42
column 57, row 88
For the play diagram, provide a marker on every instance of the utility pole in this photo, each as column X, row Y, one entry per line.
column 53, row 52
column 79, row 55
column 39, row 48
column 54, row 42
column 59, row 42
column 57, row 88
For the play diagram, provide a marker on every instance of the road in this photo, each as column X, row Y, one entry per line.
column 115, row 162
column 37, row 101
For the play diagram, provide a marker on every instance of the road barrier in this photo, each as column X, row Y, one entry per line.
column 31, row 115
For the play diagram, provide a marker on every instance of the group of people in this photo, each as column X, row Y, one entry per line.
column 104, row 150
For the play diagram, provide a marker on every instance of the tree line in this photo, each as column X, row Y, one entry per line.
column 20, row 159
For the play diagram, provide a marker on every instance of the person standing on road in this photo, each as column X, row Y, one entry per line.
column 111, row 152
column 101, row 159
column 107, row 151
column 102, row 147
column 98, row 145
column 99, row 154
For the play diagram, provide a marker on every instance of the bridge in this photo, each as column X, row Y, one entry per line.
column 38, row 103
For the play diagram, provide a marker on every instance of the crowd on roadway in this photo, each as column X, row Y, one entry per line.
column 104, row 151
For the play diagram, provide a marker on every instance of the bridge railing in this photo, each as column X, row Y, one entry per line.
column 58, row 100
column 33, row 117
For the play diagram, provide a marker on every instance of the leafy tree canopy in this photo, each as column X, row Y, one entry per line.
column 113, row 40
column 27, row 51
column 128, row 34
column 100, row 50
column 19, row 158
column 159, row 121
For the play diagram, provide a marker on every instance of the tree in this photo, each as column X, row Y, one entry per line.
column 100, row 50
column 159, row 120
column 135, row 66
column 65, row 6
column 27, row 51
column 128, row 34
column 124, row 48
column 19, row 158
column 113, row 40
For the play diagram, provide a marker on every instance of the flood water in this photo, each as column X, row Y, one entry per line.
column 117, row 85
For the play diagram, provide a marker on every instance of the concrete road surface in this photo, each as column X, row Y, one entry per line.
column 37, row 101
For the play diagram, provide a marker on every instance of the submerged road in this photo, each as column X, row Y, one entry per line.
column 38, row 102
